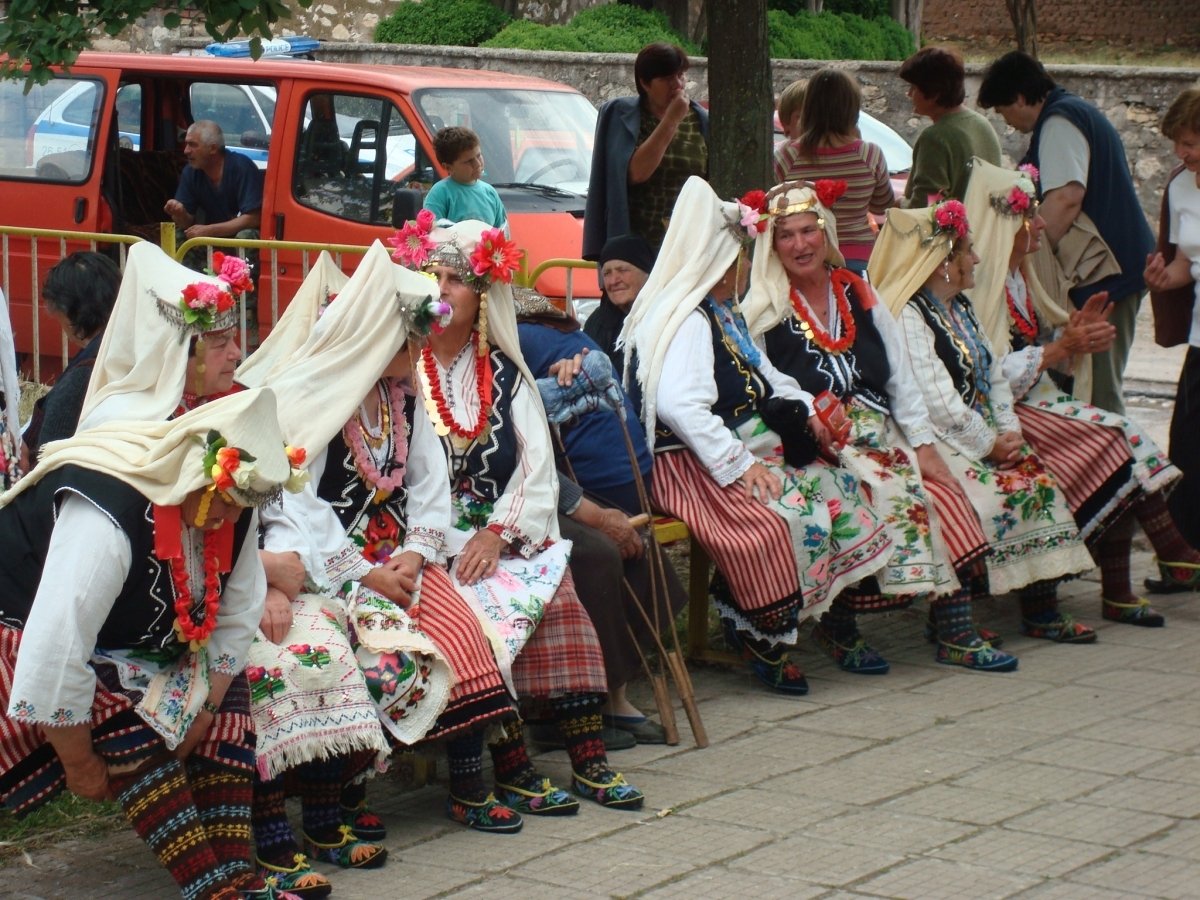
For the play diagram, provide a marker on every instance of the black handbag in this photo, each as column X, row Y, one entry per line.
column 789, row 420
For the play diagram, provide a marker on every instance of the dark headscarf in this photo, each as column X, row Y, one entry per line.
column 604, row 325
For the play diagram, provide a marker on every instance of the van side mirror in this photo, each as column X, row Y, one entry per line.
column 406, row 203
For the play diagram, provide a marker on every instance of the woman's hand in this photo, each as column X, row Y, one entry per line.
column 565, row 370
column 195, row 734
column 760, row 484
column 1007, row 449
column 284, row 571
column 615, row 525
column 1161, row 276
column 276, row 620
column 87, row 777
column 480, row 556
column 1088, row 330
column 390, row 581
column 826, row 440
column 933, row 468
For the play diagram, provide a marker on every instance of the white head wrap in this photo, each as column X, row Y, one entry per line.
column 322, row 382
column 323, row 281
column 141, row 366
column 702, row 241
column 768, row 302
column 994, row 226
column 908, row 250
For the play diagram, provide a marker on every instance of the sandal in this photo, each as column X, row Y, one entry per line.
column 1062, row 629
column 773, row 667
column 365, row 824
column 614, row 792
column 299, row 880
column 1179, row 576
column 537, row 797
column 348, row 852
column 859, row 658
column 490, row 815
column 1136, row 613
column 972, row 652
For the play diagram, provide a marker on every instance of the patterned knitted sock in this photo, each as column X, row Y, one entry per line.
column 464, row 758
column 223, row 797
column 273, row 835
column 1169, row 545
column 1039, row 601
column 1111, row 553
column 840, row 622
column 975, row 579
column 158, row 803
column 510, row 757
column 952, row 617
column 320, row 798
column 581, row 725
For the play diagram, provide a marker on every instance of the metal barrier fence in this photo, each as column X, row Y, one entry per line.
column 269, row 265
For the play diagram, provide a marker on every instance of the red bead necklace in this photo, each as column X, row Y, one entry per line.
column 813, row 330
column 1027, row 327
column 483, row 385
column 186, row 628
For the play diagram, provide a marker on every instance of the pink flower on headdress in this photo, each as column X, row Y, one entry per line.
column 1031, row 170
column 951, row 216
column 412, row 243
column 495, row 257
column 233, row 270
column 204, row 297
column 1018, row 200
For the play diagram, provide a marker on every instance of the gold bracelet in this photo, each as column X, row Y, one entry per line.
column 209, row 706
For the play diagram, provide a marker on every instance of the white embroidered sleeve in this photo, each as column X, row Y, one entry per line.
column 1022, row 368
column 427, row 481
column 905, row 399
column 527, row 511
column 241, row 607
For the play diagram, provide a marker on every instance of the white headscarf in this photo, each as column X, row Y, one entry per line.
column 768, row 302
column 165, row 460
column 323, row 281
column 994, row 226
column 702, row 241
column 9, row 384
column 141, row 367
column 322, row 382
column 908, row 250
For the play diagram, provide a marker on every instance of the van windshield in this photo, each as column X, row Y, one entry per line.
column 530, row 138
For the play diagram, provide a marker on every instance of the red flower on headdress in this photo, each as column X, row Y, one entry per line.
column 295, row 455
column 495, row 257
column 233, row 270
column 412, row 243
column 829, row 190
column 951, row 216
column 1018, row 200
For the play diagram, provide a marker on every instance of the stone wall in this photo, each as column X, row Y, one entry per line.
column 1122, row 22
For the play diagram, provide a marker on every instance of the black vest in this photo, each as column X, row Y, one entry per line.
column 483, row 468
column 861, row 370
column 952, row 350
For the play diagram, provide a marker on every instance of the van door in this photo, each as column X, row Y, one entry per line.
column 339, row 169
column 53, row 148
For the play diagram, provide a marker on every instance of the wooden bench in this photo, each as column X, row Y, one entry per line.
column 669, row 531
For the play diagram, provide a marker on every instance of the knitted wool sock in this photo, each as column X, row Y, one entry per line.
column 1039, row 601
column 1112, row 555
column 975, row 579
column 320, row 798
column 840, row 622
column 273, row 834
column 223, row 797
column 952, row 617
column 510, row 757
column 581, row 725
column 1169, row 545
column 158, row 803
column 464, row 758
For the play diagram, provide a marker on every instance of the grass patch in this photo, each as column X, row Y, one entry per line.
column 66, row 816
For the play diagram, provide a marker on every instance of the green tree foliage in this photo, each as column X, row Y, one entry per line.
column 460, row 23
column 868, row 9
column 48, row 33
column 612, row 28
column 836, row 36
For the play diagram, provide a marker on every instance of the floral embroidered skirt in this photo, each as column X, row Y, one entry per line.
column 30, row 771
column 788, row 558
column 1103, row 461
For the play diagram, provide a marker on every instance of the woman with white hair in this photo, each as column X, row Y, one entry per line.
column 824, row 326
column 922, row 263
column 1110, row 470
column 787, row 536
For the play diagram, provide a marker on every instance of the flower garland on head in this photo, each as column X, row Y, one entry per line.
column 949, row 218
column 412, row 244
column 1021, row 198
column 495, row 258
column 752, row 214
column 203, row 306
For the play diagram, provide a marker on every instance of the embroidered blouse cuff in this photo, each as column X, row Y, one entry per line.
column 974, row 440
column 226, row 664
column 1023, row 369
column 921, row 435
column 514, row 538
column 733, row 467
column 347, row 564
column 426, row 541
column 27, row 712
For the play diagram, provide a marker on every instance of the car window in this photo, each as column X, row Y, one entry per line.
column 353, row 152
column 49, row 134
column 244, row 112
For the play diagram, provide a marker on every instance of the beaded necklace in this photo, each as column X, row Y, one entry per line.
column 186, row 628
column 435, row 399
column 390, row 420
column 733, row 323
column 1028, row 327
column 965, row 332
column 811, row 328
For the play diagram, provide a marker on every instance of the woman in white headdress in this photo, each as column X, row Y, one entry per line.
column 786, row 540
column 921, row 264
column 824, row 326
column 508, row 557
column 1110, row 470
column 130, row 589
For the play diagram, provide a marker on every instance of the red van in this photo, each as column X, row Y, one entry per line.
column 99, row 149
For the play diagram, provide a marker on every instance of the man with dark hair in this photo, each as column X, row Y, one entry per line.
column 943, row 151
column 1084, row 182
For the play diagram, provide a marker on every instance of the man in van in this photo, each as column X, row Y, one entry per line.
column 226, row 188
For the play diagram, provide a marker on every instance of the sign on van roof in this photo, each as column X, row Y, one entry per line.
column 281, row 46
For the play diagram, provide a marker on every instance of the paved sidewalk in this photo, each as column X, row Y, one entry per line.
column 1075, row 777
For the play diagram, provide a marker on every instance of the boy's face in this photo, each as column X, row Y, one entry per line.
column 468, row 167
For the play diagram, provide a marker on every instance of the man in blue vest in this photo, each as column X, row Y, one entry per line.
column 1083, row 169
